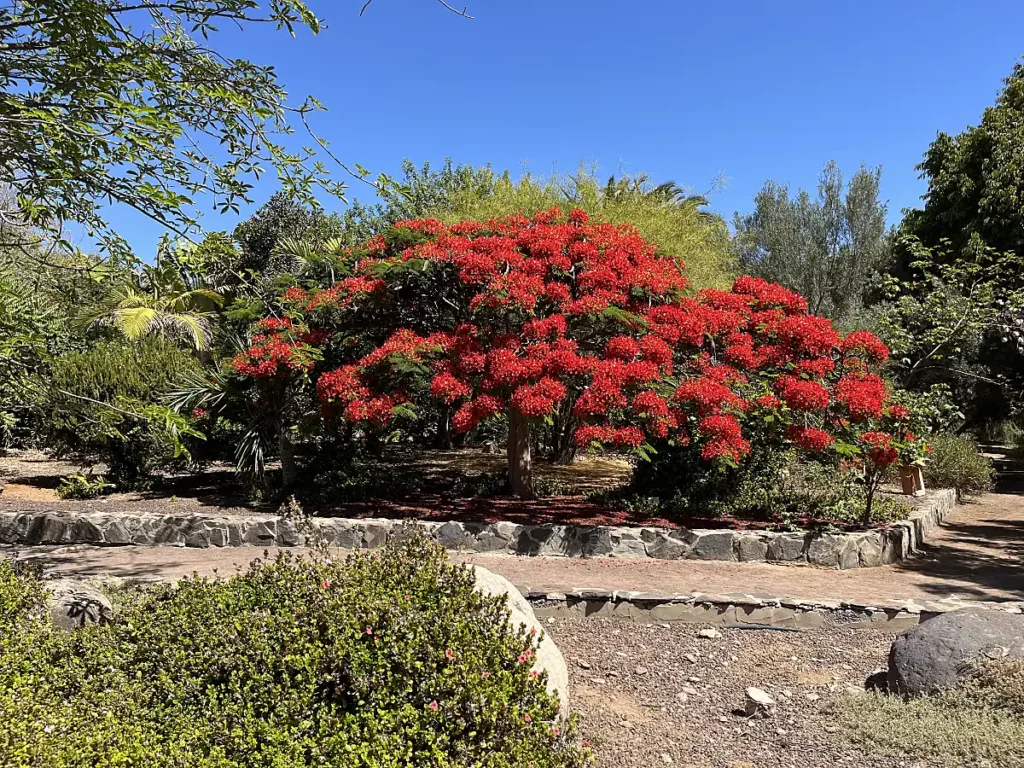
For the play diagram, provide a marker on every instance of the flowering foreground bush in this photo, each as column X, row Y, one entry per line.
column 381, row 661
column 557, row 317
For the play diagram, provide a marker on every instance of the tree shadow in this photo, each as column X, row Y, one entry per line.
column 981, row 558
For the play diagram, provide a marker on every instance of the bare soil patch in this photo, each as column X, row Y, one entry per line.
column 626, row 679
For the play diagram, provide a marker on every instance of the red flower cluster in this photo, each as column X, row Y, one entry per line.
column 879, row 448
column 801, row 394
column 809, row 438
column 863, row 394
column 280, row 352
column 724, row 438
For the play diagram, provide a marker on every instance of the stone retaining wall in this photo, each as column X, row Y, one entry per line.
column 833, row 550
column 748, row 611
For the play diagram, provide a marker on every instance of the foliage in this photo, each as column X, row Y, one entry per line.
column 932, row 410
column 959, row 321
column 282, row 218
column 980, row 723
column 40, row 295
column 83, row 487
column 380, row 660
column 773, row 487
column 960, row 307
column 826, row 249
column 161, row 299
column 104, row 404
column 974, row 181
column 956, row 462
column 105, row 100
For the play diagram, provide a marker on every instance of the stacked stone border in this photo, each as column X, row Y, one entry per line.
column 830, row 550
column 748, row 611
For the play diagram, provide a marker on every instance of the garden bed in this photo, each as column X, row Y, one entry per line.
column 820, row 548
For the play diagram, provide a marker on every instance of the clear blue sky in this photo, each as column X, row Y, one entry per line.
column 683, row 90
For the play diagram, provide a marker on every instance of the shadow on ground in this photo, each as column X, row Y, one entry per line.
column 979, row 552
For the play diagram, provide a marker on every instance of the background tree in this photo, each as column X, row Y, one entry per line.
column 975, row 184
column 163, row 299
column 826, row 248
column 955, row 312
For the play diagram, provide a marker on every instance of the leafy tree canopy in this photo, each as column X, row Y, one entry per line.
column 976, row 183
column 826, row 248
column 118, row 101
column 665, row 214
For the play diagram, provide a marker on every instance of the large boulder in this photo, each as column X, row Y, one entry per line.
column 548, row 657
column 935, row 654
column 74, row 604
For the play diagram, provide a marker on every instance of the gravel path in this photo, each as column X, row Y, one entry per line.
column 626, row 681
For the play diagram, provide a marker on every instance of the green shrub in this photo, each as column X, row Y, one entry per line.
column 979, row 723
column 103, row 405
column 955, row 462
column 383, row 660
column 83, row 486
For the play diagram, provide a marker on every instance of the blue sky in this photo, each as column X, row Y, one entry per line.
column 683, row 90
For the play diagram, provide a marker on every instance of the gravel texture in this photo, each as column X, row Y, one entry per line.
column 663, row 695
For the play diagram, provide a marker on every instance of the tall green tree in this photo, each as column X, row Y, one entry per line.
column 826, row 248
column 129, row 102
column 957, row 311
column 975, row 197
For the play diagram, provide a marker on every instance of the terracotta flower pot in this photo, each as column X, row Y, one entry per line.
column 913, row 480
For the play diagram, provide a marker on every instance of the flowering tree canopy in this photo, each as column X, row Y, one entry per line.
column 535, row 317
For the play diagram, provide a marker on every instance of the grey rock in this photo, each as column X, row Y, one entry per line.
column 823, row 549
column 490, row 539
column 786, row 547
column 287, row 533
column 450, row 535
column 869, row 550
column 627, row 543
column 72, row 604
column 115, row 532
column 750, row 547
column 261, row 533
column 199, row 538
column 84, row 530
column 711, row 545
column 547, row 657
column 935, row 654
column 758, row 703
column 663, row 546
column 598, row 542
column 375, row 534
column 709, row 634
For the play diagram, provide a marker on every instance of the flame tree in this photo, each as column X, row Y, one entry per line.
column 518, row 316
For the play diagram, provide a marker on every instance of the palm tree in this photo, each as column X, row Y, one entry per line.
column 158, row 299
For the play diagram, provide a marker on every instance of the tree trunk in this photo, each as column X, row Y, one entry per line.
column 520, row 471
column 444, row 429
column 564, row 448
column 286, row 449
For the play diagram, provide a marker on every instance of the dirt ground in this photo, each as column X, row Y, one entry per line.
column 661, row 695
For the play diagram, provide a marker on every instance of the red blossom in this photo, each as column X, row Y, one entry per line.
column 863, row 394
column 879, row 448
column 802, row 395
column 809, row 438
